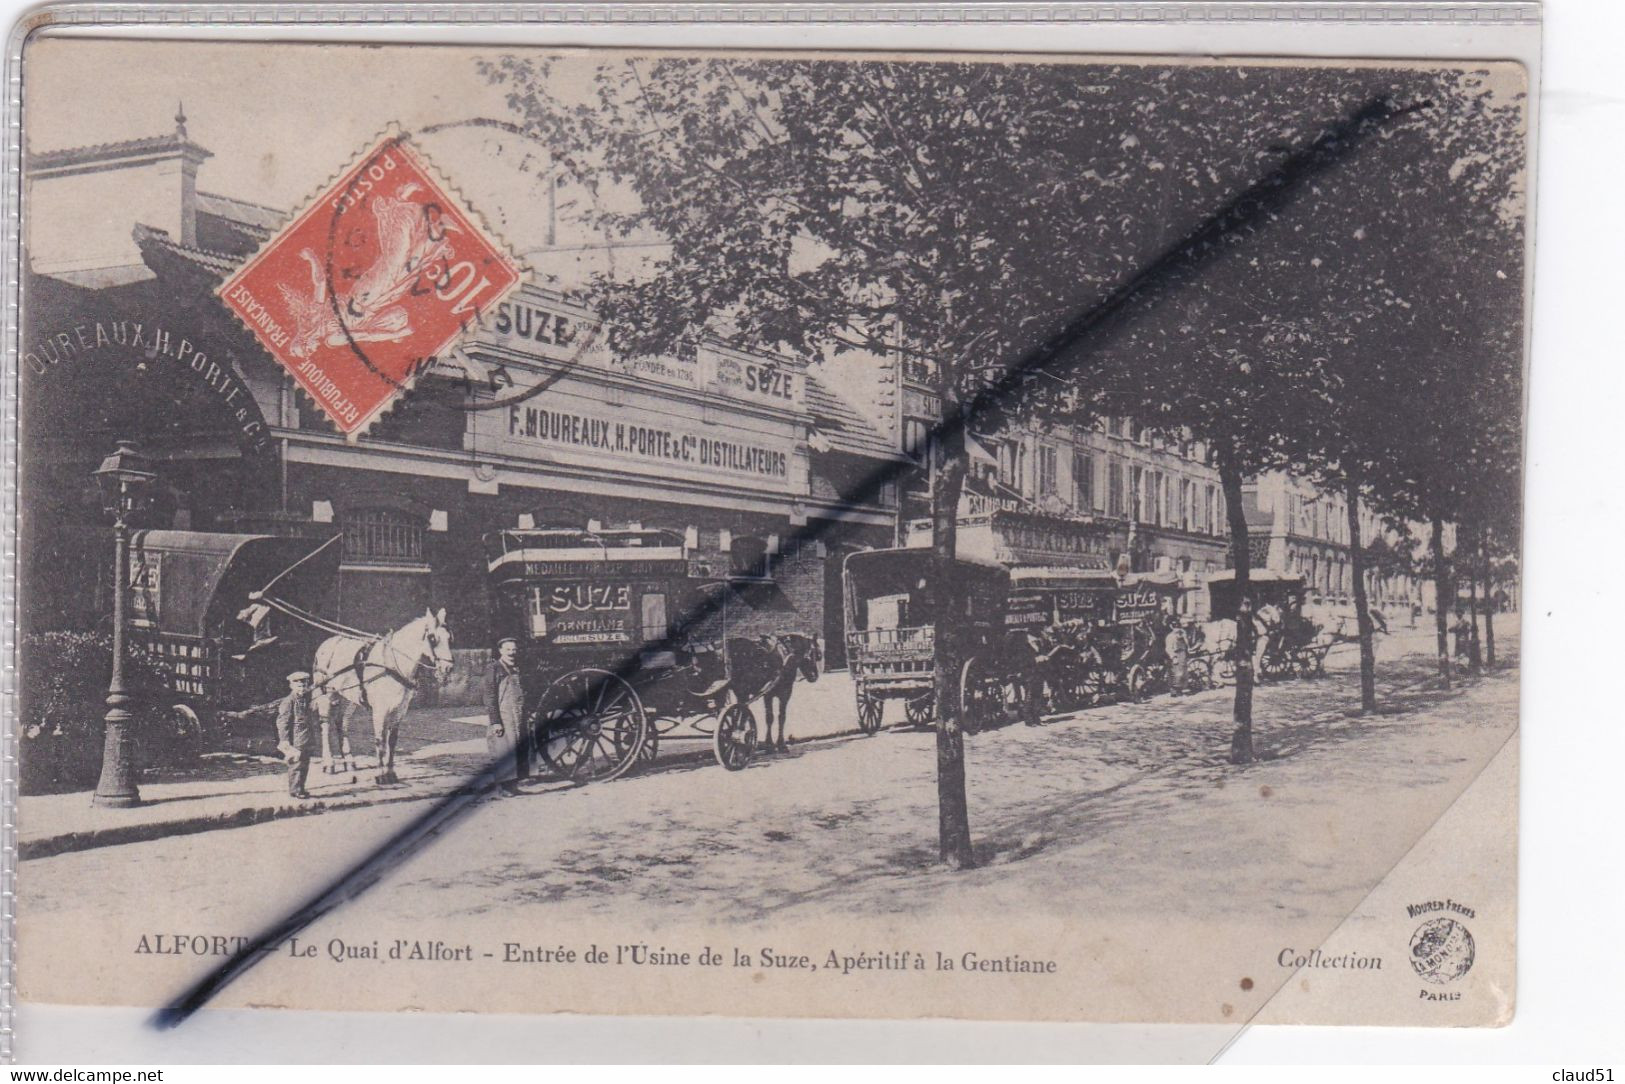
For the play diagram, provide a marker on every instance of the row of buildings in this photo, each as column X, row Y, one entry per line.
column 124, row 338
column 1097, row 495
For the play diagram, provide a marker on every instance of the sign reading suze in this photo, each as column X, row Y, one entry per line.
column 515, row 319
column 758, row 380
column 660, row 445
column 572, row 597
column 544, row 328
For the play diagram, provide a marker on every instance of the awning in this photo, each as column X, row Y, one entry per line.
column 188, row 581
column 1257, row 575
column 978, row 451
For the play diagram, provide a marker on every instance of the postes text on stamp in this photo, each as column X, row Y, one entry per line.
column 379, row 275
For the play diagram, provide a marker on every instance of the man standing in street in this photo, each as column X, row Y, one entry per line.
column 296, row 732
column 505, row 720
column 1177, row 646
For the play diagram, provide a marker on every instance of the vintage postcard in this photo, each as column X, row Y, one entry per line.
column 977, row 536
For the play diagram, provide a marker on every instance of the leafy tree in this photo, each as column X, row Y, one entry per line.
column 1231, row 342
column 1022, row 223
column 1413, row 282
column 1391, row 555
column 1347, row 329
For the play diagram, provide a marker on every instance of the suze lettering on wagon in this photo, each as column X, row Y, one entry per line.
column 589, row 596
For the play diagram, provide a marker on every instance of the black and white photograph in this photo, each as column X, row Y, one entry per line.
column 771, row 534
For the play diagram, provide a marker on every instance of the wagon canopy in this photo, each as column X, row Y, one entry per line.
column 904, row 575
column 192, row 582
column 1264, row 586
column 538, row 553
column 1041, row 595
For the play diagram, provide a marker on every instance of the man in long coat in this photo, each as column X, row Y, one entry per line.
column 298, row 732
column 505, row 737
column 1176, row 645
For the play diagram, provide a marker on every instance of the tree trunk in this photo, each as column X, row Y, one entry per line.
column 1241, row 741
column 1440, row 617
column 1475, row 661
column 948, row 467
column 1362, row 606
column 1489, row 600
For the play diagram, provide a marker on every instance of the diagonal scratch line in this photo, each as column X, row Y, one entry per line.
column 1240, row 216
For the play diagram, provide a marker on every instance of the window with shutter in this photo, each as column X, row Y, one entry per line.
column 1083, row 482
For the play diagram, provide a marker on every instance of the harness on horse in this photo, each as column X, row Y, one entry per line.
column 360, row 662
column 358, row 666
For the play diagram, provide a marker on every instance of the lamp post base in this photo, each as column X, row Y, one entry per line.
column 116, row 788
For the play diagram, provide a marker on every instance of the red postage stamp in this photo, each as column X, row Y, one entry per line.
column 382, row 273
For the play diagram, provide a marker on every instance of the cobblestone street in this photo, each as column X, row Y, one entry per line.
column 1092, row 815
column 1143, row 788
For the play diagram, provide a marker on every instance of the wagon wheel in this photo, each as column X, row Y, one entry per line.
column 590, row 726
column 1091, row 688
column 981, row 696
column 1312, row 663
column 870, row 713
column 651, row 745
column 186, row 729
column 735, row 738
column 918, row 709
column 1274, row 665
column 1199, row 676
column 1138, row 678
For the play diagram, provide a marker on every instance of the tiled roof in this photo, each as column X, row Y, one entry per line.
column 157, row 242
column 97, row 152
column 846, row 429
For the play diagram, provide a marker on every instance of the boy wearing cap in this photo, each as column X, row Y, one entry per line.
column 505, row 718
column 296, row 732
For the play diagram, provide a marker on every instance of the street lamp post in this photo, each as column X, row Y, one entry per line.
column 120, row 476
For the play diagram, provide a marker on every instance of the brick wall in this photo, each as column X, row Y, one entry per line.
column 800, row 578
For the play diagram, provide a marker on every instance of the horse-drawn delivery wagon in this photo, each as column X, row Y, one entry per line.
column 1145, row 611
column 891, row 637
column 628, row 641
column 1288, row 642
column 188, row 594
column 1100, row 636
column 1069, row 613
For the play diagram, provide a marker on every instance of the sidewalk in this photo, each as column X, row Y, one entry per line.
column 255, row 790
column 51, row 824
column 435, row 760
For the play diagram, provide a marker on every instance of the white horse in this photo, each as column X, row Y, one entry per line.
column 381, row 674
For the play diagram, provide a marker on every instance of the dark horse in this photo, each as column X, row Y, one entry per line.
column 767, row 667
